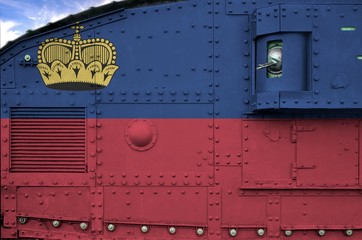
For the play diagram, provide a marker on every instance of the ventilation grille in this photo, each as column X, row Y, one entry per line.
column 48, row 140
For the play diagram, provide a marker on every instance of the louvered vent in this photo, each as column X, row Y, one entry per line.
column 48, row 140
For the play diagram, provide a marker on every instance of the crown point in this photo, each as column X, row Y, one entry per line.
column 92, row 67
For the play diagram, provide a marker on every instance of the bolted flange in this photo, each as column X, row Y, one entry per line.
column 260, row 232
column 172, row 230
column 111, row 227
column 22, row 220
column 233, row 232
column 144, row 229
column 83, row 226
column 56, row 223
column 321, row 232
column 288, row 233
column 200, row 231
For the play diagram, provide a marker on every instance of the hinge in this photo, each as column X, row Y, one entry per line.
column 296, row 129
column 297, row 166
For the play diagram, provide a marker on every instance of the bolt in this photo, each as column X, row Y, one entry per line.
column 172, row 230
column 233, row 232
column 200, row 231
column 83, row 226
column 111, row 227
column 144, row 229
column 22, row 220
column 261, row 232
column 348, row 232
column 321, row 232
column 288, row 233
column 56, row 223
column 27, row 57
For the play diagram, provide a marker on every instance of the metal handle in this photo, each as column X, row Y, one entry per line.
column 265, row 65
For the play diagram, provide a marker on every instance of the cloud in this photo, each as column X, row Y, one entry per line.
column 35, row 14
column 7, row 31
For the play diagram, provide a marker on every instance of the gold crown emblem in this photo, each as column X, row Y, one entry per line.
column 77, row 64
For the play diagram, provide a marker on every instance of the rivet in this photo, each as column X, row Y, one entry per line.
column 144, row 229
column 172, row 230
column 111, row 227
column 83, row 226
column 200, row 231
column 56, row 223
column 233, row 232
column 348, row 232
column 260, row 232
column 22, row 220
column 321, row 232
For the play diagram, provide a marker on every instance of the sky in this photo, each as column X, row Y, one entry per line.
column 18, row 16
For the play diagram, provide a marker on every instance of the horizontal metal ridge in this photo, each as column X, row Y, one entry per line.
column 48, row 140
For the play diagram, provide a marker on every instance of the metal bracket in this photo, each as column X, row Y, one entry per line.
column 296, row 129
column 297, row 166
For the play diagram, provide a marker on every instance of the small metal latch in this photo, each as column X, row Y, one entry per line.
column 296, row 129
column 297, row 166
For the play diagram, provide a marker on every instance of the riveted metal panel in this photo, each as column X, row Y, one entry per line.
column 7, row 75
column 47, row 202
column 268, row 153
column 241, row 216
column 267, row 20
column 327, row 153
column 236, row 7
column 232, row 63
column 9, row 207
column 47, row 179
column 5, row 145
column 337, row 87
column 227, row 144
column 321, row 212
column 152, row 61
column 296, row 18
column 167, row 144
column 182, row 206
column 186, row 148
